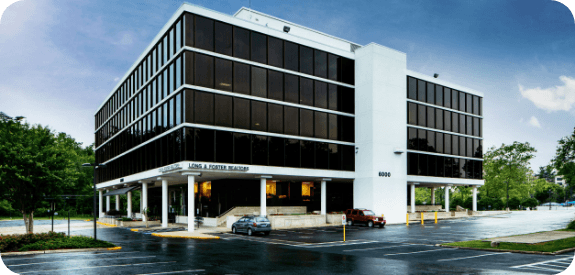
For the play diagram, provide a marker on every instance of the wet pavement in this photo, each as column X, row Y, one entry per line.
column 395, row 249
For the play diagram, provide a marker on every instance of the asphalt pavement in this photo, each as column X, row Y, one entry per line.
column 394, row 249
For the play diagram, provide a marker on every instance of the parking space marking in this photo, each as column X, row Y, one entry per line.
column 470, row 257
column 544, row 268
column 92, row 267
column 423, row 251
column 375, row 248
column 174, row 272
column 99, row 259
column 320, row 245
column 546, row 265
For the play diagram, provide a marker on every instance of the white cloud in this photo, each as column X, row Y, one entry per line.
column 116, row 79
column 534, row 122
column 558, row 98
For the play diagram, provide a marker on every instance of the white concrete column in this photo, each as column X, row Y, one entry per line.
column 130, row 204
column 412, row 194
column 323, row 196
column 447, row 198
column 117, row 202
column 100, row 203
column 432, row 195
column 263, row 197
column 191, row 200
column 144, row 200
column 474, row 198
column 164, row 202
column 107, row 202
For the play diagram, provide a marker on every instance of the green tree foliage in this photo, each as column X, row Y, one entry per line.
column 530, row 202
column 546, row 173
column 35, row 163
column 564, row 162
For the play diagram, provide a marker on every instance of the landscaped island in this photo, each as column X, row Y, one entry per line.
column 48, row 241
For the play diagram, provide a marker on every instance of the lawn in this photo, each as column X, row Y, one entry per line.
column 552, row 246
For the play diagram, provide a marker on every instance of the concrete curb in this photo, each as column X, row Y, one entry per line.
column 512, row 251
column 67, row 250
column 107, row 224
column 187, row 237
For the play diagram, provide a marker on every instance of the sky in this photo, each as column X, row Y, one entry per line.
column 59, row 59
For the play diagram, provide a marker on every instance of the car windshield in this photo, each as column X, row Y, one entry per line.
column 262, row 219
column 368, row 213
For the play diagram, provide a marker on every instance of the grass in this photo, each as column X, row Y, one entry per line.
column 552, row 246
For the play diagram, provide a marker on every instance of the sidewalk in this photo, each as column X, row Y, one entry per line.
column 534, row 238
column 202, row 233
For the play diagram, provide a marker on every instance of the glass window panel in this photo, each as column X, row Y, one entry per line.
column 347, row 71
column 306, row 60
column 178, row 72
column 307, row 154
column 291, row 88
column 422, row 165
column 275, row 85
column 166, row 116
column 259, row 82
column 476, row 105
column 241, row 43
column 469, row 125
column 275, row 118
column 320, row 63
column 292, row 153
column 462, row 101
column 439, row 95
column 189, row 68
column 223, row 75
column 332, row 97
column 347, row 99
column 412, row 113
column 469, row 103
column 439, row 142
column 430, row 117
column 469, row 152
column 179, row 109
column 455, row 145
column 430, row 93
column 204, row 70
column 259, row 47
column 431, row 141
column 259, row 116
column 189, row 106
column 412, row 160
column 189, row 34
column 421, row 115
column 462, row 168
column 455, row 123
column 276, row 151
column 204, row 145
column 260, row 150
column 412, row 141
column 431, row 165
column 172, row 81
column 411, row 88
column 422, row 138
column 347, row 128
column 306, row 123
column 461, row 124
column 447, row 97
column 462, row 146
column 320, row 125
column 439, row 119
column 241, row 78
column 223, row 38
column 454, row 99
column 332, row 124
column 165, row 53
column 241, row 113
column 242, row 148
column 447, row 121
column 291, row 125
column 320, row 94
column 321, row 155
column 440, row 163
column 275, row 52
column 306, row 91
column 291, row 56
column 204, row 33
column 421, row 90
column 333, row 69
column 224, row 147
column 204, row 108
column 334, row 156
column 223, row 111
column 481, row 110
column 178, row 35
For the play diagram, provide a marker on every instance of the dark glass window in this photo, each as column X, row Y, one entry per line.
column 320, row 125
column 320, row 62
column 461, row 124
column 469, row 103
column 478, row 148
column 275, row 118
column 431, row 165
column 291, row 56
column 462, row 101
column 481, row 113
column 275, row 52
column 242, row 148
column 347, row 99
column 204, row 71
column 455, row 145
column 462, row 166
column 412, row 141
column 223, row 110
column 422, row 165
column 320, row 94
column 306, row 91
column 421, row 90
column 431, row 141
column 241, row 43
column 439, row 142
column 462, row 146
column 412, row 164
column 306, row 60
column 276, row 149
column 412, row 113
column 469, row 125
column 439, row 95
column 291, row 88
column 447, row 121
column 455, row 123
column 422, row 138
column 292, row 153
column 332, row 124
column 204, row 145
column 321, row 155
column 241, row 78
column 447, row 97
column 223, row 75
column 334, row 156
column 307, row 154
column 259, row 82
column 224, row 38
column 421, row 118
column 439, row 119
column 411, row 88
column 478, row 171
column 189, row 67
column 306, row 123
column 455, row 168
column 204, row 108
column 204, row 33
column 241, row 113
column 224, row 147
column 260, row 150
column 189, row 29
column 188, row 107
column 430, row 93
column 347, row 128
column 430, row 117
column 347, row 71
column 332, row 97
column 333, row 69
column 275, row 85
column 259, row 116
column 454, row 100
column 189, row 142
column 291, row 123
column 259, row 47
column 469, row 152
column 476, row 105
column 440, row 162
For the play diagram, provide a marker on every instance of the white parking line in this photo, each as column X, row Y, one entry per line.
column 375, row 248
column 92, row 267
column 417, row 252
column 532, row 264
column 544, row 268
column 174, row 272
column 463, row 258
column 555, row 265
column 320, row 245
column 83, row 260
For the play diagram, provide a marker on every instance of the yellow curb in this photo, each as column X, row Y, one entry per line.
column 187, row 237
column 107, row 224
column 115, row 248
column 134, row 229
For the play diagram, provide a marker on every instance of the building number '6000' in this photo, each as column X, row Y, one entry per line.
column 385, row 174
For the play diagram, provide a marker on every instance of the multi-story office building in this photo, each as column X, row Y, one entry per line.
column 251, row 110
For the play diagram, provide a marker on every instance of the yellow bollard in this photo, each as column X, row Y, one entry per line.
column 407, row 219
column 435, row 217
column 344, row 233
column 421, row 217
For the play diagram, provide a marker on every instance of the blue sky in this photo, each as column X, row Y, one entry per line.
column 60, row 59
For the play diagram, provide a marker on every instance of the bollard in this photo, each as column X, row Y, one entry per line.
column 407, row 219
column 421, row 217
column 435, row 217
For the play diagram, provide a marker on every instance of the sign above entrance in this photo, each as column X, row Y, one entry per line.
column 219, row 167
column 170, row 168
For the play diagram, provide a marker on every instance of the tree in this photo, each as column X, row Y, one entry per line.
column 547, row 173
column 35, row 164
column 506, row 170
column 564, row 162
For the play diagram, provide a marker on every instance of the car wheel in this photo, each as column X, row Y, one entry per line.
column 350, row 222
column 234, row 230
column 250, row 232
column 370, row 224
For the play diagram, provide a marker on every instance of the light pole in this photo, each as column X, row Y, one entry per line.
column 96, row 166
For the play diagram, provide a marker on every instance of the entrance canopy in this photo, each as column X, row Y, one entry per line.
column 121, row 191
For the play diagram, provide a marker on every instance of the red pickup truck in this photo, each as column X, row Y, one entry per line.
column 365, row 216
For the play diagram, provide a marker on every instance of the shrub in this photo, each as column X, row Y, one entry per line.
column 571, row 225
column 514, row 203
column 113, row 213
column 14, row 242
column 72, row 242
column 530, row 202
column 125, row 219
